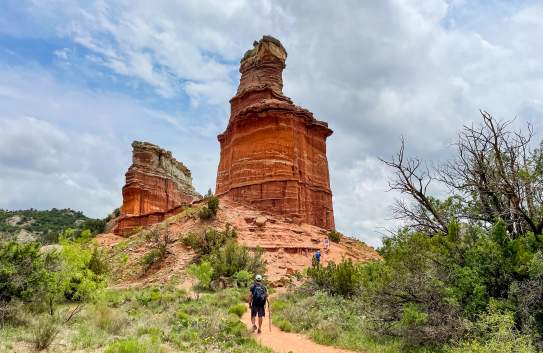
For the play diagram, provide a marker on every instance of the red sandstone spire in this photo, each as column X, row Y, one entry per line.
column 273, row 153
column 263, row 65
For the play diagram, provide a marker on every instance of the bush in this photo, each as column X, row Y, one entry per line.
column 210, row 240
column 12, row 313
column 233, row 258
column 243, row 278
column 284, row 325
column 342, row 279
column 495, row 332
column 209, row 211
column 23, row 270
column 149, row 296
column 44, row 331
column 159, row 240
column 203, row 272
column 98, row 262
column 238, row 309
column 152, row 257
column 109, row 320
column 133, row 345
column 334, row 236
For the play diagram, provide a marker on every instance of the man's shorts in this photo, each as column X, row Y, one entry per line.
column 258, row 310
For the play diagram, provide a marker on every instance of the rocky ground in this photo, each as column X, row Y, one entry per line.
column 288, row 246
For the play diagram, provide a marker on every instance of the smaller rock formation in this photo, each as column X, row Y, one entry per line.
column 157, row 185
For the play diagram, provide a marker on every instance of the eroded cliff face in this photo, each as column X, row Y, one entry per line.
column 156, row 186
column 273, row 153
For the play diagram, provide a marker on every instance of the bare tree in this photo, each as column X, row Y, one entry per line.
column 495, row 175
column 412, row 178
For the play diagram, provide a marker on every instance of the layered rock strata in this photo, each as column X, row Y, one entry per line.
column 273, row 153
column 157, row 186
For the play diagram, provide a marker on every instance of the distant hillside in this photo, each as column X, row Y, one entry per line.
column 44, row 226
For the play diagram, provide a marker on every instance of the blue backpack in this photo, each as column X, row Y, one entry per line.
column 259, row 294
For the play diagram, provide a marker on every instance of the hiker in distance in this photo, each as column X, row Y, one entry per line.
column 317, row 258
column 257, row 302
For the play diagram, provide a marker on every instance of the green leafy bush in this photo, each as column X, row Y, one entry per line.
column 233, row 258
column 238, row 309
column 210, row 240
column 284, row 325
column 203, row 272
column 334, row 236
column 158, row 239
column 209, row 210
column 495, row 332
column 243, row 278
column 342, row 279
column 23, row 270
column 150, row 258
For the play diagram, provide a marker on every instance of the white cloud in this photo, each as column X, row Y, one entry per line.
column 62, row 146
column 373, row 70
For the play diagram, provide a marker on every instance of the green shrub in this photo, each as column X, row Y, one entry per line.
column 149, row 296
column 182, row 317
column 109, row 320
column 209, row 210
column 133, row 345
column 210, row 240
column 23, row 270
column 342, row 279
column 233, row 258
column 98, row 262
column 203, row 272
column 13, row 313
column 495, row 332
column 159, row 239
column 152, row 257
column 243, row 278
column 238, row 309
column 284, row 325
column 43, row 332
column 334, row 236
column 205, row 213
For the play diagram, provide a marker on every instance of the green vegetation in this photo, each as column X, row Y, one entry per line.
column 44, row 331
column 209, row 211
column 155, row 319
column 46, row 226
column 44, row 279
column 464, row 275
column 232, row 258
column 342, row 279
column 334, row 236
column 159, row 239
column 203, row 272
column 333, row 320
column 227, row 259
column 210, row 240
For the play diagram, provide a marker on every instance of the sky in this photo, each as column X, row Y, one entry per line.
column 80, row 80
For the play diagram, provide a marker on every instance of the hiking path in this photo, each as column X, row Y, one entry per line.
column 285, row 342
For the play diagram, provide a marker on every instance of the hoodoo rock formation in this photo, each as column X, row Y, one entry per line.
column 157, row 186
column 273, row 153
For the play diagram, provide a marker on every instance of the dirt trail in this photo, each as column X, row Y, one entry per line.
column 284, row 342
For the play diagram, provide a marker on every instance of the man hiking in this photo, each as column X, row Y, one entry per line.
column 257, row 302
column 317, row 259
